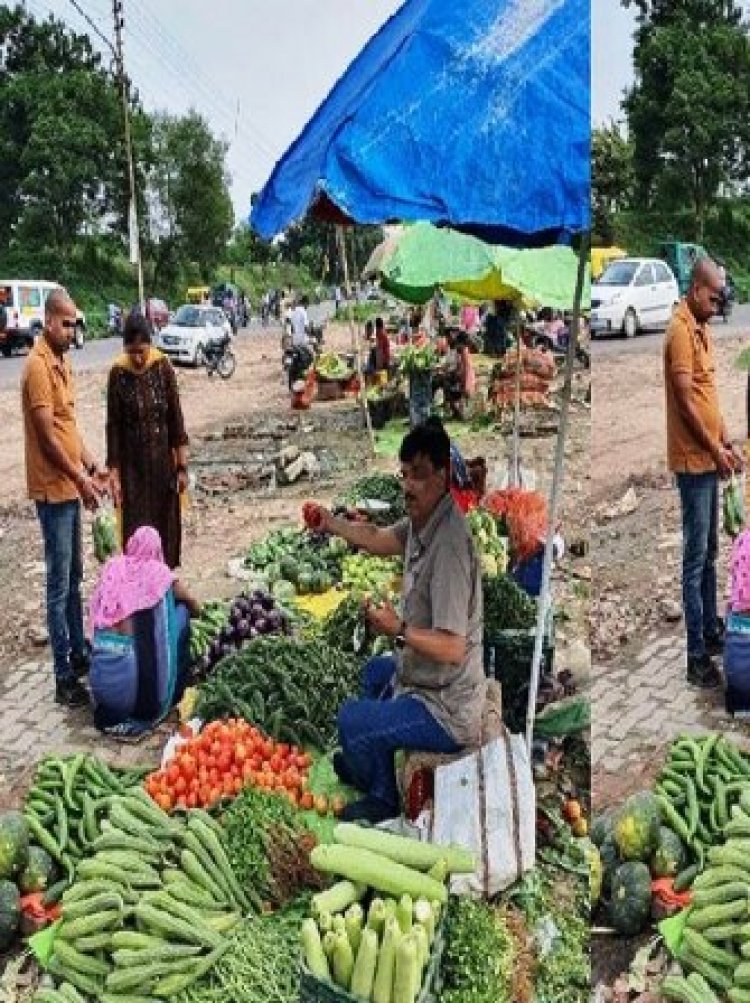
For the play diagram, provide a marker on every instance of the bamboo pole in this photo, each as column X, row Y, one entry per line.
column 555, row 491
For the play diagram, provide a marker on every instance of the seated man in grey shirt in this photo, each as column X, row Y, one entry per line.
column 429, row 696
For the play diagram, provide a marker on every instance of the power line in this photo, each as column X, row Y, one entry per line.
column 94, row 27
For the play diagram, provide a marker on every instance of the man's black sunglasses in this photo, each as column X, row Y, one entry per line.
column 68, row 324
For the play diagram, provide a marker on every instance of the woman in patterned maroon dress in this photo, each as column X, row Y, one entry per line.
column 146, row 440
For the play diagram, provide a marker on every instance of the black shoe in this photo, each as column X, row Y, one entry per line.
column 81, row 663
column 342, row 770
column 369, row 809
column 70, row 693
column 715, row 642
column 702, row 672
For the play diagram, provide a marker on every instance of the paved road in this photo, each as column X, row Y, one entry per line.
column 651, row 343
column 97, row 356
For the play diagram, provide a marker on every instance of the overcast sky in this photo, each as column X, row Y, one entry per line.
column 256, row 69
column 611, row 58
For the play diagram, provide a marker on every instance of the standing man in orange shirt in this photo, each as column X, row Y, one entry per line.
column 700, row 454
column 60, row 473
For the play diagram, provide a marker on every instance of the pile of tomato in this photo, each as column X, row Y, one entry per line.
column 225, row 757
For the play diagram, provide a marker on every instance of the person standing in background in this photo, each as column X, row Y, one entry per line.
column 60, row 474
column 146, row 440
column 700, row 453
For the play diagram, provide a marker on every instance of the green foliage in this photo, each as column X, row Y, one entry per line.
column 689, row 109
column 612, row 177
column 727, row 234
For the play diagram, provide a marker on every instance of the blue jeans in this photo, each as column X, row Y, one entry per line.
column 699, row 497
column 61, row 530
column 373, row 728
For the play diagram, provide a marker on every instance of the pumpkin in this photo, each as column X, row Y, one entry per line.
column 630, row 901
column 637, row 827
column 602, row 825
column 669, row 857
column 39, row 872
column 10, row 913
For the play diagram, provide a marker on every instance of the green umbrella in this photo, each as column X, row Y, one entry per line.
column 422, row 257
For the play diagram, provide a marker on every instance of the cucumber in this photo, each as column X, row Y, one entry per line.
column 702, row 948
column 685, row 878
column 74, row 960
column 97, row 903
column 701, row 919
column 87, row 925
column 720, row 893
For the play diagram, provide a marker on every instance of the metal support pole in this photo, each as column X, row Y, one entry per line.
column 557, row 480
column 117, row 11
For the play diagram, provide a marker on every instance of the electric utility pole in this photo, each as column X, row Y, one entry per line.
column 135, row 243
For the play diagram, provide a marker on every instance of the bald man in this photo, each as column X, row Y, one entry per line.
column 700, row 454
column 60, row 473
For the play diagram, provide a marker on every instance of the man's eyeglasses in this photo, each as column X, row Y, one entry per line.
column 69, row 325
column 715, row 299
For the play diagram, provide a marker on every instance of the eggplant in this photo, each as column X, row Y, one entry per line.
column 275, row 619
column 261, row 625
column 243, row 627
column 268, row 603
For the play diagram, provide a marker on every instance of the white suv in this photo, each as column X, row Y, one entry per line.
column 191, row 329
column 632, row 295
column 24, row 301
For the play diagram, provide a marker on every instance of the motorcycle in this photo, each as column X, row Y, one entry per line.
column 300, row 359
column 219, row 358
column 288, row 350
column 727, row 302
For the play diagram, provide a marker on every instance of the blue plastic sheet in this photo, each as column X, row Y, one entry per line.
column 474, row 115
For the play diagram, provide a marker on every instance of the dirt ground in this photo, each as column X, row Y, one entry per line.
column 232, row 424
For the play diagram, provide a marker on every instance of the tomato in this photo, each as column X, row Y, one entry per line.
column 256, row 762
column 237, row 785
column 164, row 801
column 283, row 749
column 180, row 786
column 321, row 804
column 216, row 793
column 186, row 731
column 240, row 753
column 307, row 801
column 276, row 764
column 302, row 762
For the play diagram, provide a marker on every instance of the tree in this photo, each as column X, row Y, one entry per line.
column 612, row 178
column 61, row 147
column 689, row 108
column 191, row 211
column 246, row 248
column 313, row 245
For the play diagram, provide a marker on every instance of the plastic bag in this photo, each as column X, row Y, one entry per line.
column 487, row 802
column 734, row 506
column 105, row 534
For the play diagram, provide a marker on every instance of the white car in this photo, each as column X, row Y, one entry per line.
column 24, row 301
column 185, row 337
column 632, row 295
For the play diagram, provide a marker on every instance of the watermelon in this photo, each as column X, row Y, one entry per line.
column 630, row 902
column 669, row 857
column 637, row 827
column 14, row 844
column 39, row 873
column 10, row 913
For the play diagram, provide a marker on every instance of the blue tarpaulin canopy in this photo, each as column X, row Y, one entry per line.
column 474, row 115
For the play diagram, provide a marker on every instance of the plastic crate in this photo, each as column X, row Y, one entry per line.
column 315, row 990
column 507, row 658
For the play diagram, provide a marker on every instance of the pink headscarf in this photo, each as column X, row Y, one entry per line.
column 136, row 580
column 740, row 573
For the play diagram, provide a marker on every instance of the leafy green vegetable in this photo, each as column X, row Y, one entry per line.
column 479, row 954
column 506, row 606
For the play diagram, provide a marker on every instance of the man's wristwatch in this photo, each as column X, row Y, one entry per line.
column 399, row 641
